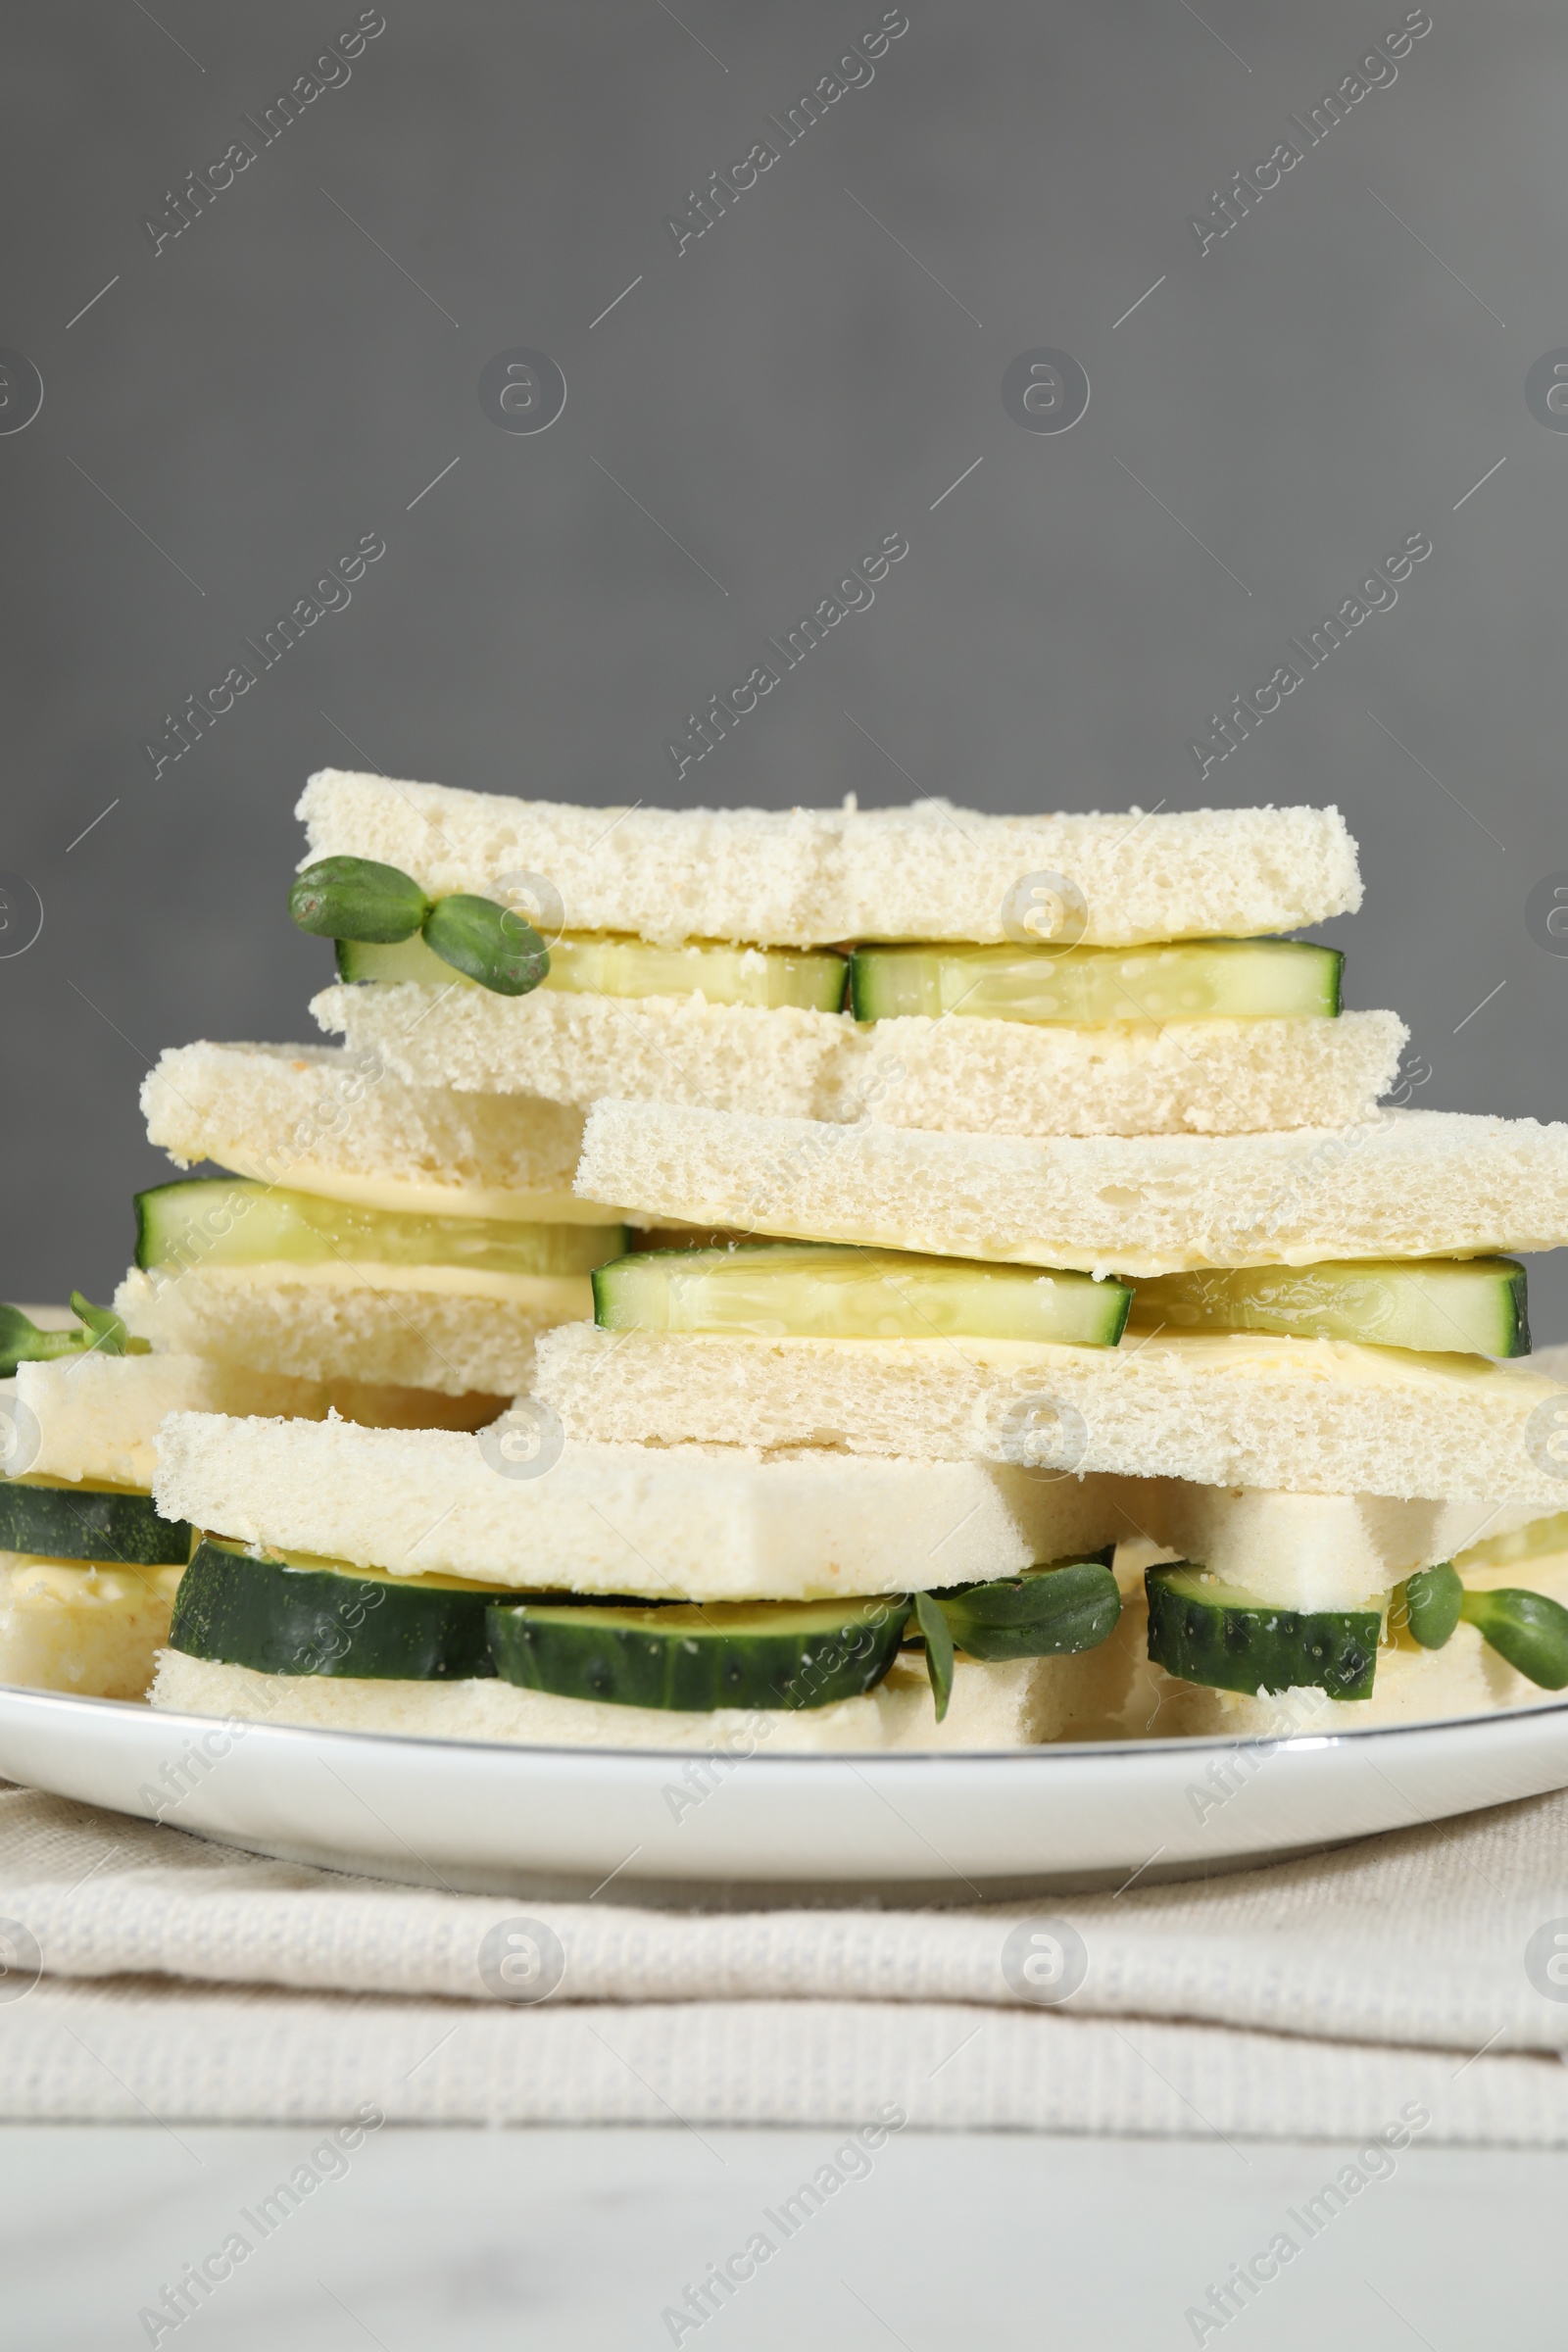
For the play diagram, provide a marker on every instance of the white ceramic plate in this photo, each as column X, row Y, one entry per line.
column 550, row 1820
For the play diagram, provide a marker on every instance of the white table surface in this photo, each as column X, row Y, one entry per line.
column 442, row 2240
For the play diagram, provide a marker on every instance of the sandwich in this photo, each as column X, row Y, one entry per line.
column 1037, row 1332
column 369, row 1231
column 88, row 1568
column 923, row 967
column 1305, row 1357
column 1298, row 1315
column 1289, row 1614
column 506, row 1585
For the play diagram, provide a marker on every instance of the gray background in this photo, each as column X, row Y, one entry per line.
column 799, row 383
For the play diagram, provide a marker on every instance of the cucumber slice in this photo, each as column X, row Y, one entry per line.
column 1191, row 980
column 1047, row 1612
column 1525, row 1628
column 1207, row 1631
column 823, row 1289
column 57, row 1521
column 298, row 1615
column 607, row 964
column 1441, row 1305
column 694, row 1659
column 233, row 1220
column 363, row 959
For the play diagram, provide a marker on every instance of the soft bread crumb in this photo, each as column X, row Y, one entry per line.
column 978, row 1076
column 1403, row 1184
column 279, row 1106
column 451, row 1342
column 1316, row 1416
column 98, row 1415
column 1014, row 1705
column 807, row 877
column 704, row 1523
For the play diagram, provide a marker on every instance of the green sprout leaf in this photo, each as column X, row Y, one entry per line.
column 1527, row 1629
column 355, row 898
column 23, row 1343
column 1048, row 1611
column 104, row 1330
column 1432, row 1599
column 489, row 943
column 938, row 1649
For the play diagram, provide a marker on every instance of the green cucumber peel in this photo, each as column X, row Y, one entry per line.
column 487, row 943
column 355, row 898
column 1432, row 1599
column 1203, row 1629
column 102, row 1333
column 933, row 1623
column 1525, row 1628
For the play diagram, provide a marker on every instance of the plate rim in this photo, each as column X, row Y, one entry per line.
column 1098, row 1750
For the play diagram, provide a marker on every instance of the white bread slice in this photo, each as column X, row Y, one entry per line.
column 318, row 1119
column 1238, row 1409
column 1014, row 1703
column 701, row 1523
column 979, row 1076
column 94, row 1630
column 1220, row 1077
column 1403, row 1184
column 448, row 1329
column 1466, row 1677
column 97, row 1416
column 1312, row 1552
column 806, row 877
column 573, row 1049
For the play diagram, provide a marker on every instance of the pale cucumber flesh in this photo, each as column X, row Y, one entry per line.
column 608, row 966
column 1469, row 1307
column 818, row 1290
column 233, row 1220
column 1191, row 980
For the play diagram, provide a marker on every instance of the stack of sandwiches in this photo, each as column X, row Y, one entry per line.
column 834, row 1279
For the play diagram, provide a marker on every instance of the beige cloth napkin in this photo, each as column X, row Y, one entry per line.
column 149, row 1974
